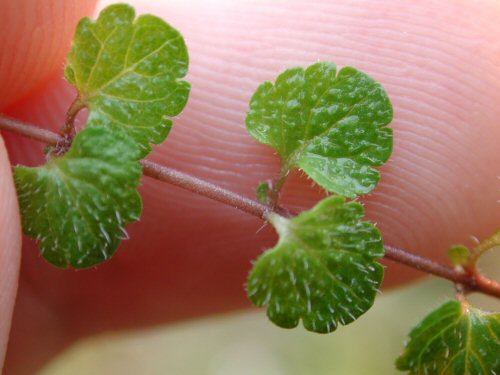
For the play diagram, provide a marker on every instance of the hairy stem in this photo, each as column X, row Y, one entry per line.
column 30, row 131
column 278, row 185
column 204, row 188
column 482, row 247
column 471, row 282
column 68, row 130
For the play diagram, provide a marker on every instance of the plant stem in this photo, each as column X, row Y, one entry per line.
column 482, row 247
column 204, row 188
column 30, row 131
column 68, row 130
column 278, row 185
column 470, row 282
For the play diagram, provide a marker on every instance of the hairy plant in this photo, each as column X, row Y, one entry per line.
column 331, row 124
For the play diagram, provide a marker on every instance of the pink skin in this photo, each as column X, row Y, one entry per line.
column 189, row 256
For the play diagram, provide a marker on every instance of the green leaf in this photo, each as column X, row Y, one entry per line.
column 323, row 268
column 78, row 204
column 330, row 125
column 454, row 339
column 459, row 255
column 127, row 72
column 263, row 190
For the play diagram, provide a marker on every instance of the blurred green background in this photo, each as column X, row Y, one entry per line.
column 247, row 343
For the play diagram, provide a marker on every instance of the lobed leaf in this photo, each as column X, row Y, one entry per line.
column 77, row 205
column 323, row 269
column 333, row 126
column 128, row 73
column 454, row 339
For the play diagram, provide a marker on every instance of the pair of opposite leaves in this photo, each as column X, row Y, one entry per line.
column 331, row 125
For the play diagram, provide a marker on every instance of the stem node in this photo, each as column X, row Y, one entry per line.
column 469, row 281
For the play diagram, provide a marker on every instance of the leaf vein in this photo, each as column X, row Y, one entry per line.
column 131, row 68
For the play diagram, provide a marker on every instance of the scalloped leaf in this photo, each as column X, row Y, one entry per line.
column 77, row 205
column 323, row 269
column 454, row 339
column 128, row 73
column 333, row 126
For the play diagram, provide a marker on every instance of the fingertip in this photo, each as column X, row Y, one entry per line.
column 34, row 40
column 10, row 248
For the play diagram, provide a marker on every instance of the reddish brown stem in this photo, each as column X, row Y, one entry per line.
column 68, row 130
column 470, row 281
column 204, row 188
column 30, row 131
